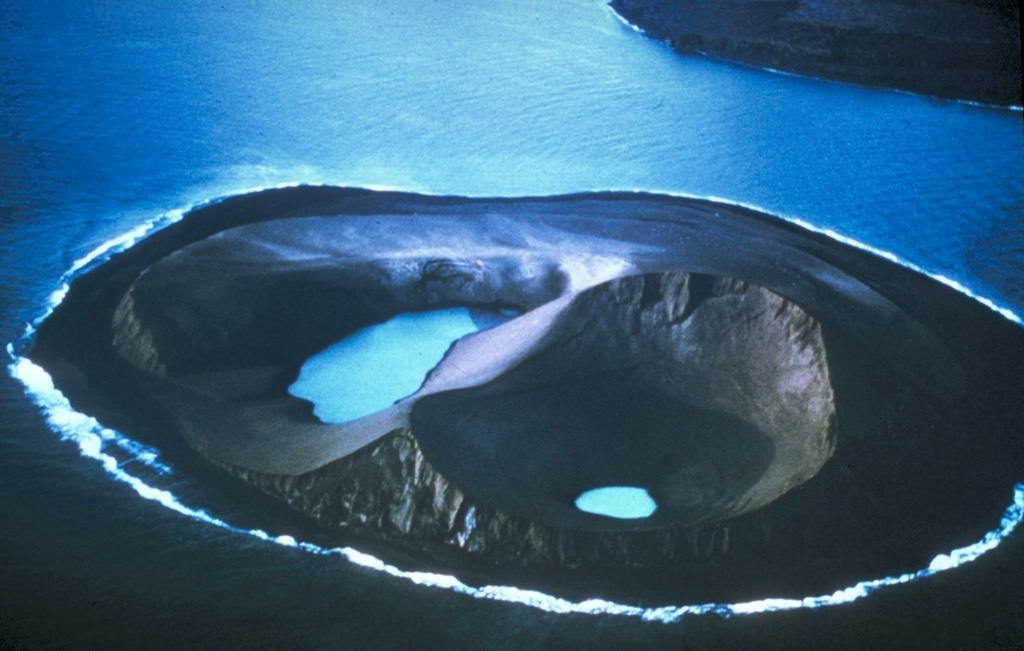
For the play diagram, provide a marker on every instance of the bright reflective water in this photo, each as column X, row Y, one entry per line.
column 379, row 365
column 623, row 502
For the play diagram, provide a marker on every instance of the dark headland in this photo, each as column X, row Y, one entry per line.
column 953, row 49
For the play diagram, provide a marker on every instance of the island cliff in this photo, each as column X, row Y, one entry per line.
column 954, row 49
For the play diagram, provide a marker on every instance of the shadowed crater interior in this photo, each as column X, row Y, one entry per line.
column 711, row 394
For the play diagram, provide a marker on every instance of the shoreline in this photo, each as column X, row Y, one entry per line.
column 945, row 50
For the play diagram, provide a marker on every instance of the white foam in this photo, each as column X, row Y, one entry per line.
column 93, row 441
column 882, row 253
column 1003, row 311
column 626, row 23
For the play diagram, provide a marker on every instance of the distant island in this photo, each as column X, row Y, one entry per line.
column 953, row 49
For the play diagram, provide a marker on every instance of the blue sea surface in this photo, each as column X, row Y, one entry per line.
column 114, row 115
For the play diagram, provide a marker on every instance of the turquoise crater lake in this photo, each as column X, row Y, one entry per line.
column 375, row 367
column 622, row 502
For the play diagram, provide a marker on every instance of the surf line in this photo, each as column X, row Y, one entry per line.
column 94, row 441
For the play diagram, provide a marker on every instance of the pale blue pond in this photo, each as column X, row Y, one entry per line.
column 623, row 502
column 379, row 365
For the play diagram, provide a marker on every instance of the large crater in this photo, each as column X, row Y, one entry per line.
column 803, row 414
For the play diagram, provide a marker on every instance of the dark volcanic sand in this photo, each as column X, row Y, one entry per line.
column 954, row 49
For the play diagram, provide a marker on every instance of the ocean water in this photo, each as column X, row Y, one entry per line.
column 115, row 114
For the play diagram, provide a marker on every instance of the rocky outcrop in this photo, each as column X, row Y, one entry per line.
column 954, row 49
column 389, row 491
column 133, row 340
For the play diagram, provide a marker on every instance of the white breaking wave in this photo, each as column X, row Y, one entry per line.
column 94, row 440
column 1005, row 312
column 118, row 454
